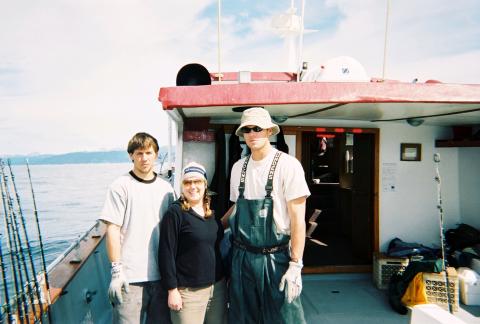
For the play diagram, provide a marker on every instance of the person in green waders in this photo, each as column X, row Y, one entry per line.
column 267, row 222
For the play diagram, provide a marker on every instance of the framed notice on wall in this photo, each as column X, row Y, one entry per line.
column 410, row 152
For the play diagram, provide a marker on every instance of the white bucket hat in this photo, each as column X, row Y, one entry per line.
column 257, row 116
column 194, row 170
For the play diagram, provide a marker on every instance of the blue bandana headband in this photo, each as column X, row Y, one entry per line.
column 196, row 170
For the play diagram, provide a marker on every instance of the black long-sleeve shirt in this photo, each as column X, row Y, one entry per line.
column 189, row 254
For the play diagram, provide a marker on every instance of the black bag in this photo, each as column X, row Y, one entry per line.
column 461, row 237
column 399, row 282
column 399, row 248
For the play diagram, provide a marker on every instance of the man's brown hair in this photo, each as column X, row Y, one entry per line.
column 142, row 141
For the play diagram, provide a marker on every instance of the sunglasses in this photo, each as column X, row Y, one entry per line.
column 246, row 129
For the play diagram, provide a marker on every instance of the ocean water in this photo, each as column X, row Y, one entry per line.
column 69, row 199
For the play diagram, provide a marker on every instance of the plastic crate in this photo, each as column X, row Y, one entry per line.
column 435, row 288
column 384, row 267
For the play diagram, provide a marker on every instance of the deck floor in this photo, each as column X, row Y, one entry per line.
column 352, row 298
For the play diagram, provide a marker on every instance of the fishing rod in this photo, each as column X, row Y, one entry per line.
column 24, row 281
column 21, row 261
column 436, row 159
column 29, row 249
column 13, row 253
column 5, row 285
column 39, row 232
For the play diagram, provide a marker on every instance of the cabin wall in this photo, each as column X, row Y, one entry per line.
column 410, row 210
column 469, row 179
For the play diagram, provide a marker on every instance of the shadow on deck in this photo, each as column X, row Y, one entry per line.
column 353, row 298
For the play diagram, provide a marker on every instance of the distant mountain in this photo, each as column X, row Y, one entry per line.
column 79, row 157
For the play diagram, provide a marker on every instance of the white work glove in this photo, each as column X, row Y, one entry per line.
column 293, row 280
column 118, row 282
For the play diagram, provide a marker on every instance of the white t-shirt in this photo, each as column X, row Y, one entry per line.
column 288, row 184
column 137, row 206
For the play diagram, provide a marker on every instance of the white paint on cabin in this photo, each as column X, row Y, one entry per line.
column 410, row 212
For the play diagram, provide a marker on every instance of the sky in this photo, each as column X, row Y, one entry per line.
column 85, row 75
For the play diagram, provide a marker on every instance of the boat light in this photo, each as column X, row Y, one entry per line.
column 415, row 121
column 326, row 135
column 279, row 119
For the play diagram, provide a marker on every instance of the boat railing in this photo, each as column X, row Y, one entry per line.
column 79, row 280
column 75, row 246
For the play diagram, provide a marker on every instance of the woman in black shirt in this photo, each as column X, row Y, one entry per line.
column 189, row 255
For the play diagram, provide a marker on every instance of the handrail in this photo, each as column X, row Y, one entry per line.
column 74, row 245
column 64, row 268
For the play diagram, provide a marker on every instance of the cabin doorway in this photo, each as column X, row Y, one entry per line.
column 340, row 171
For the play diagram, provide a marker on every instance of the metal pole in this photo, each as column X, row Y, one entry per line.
column 300, row 41
column 436, row 159
column 385, row 40
column 219, row 43
column 170, row 159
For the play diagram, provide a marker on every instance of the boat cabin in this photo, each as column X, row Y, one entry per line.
column 366, row 147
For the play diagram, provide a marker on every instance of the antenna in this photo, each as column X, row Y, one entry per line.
column 300, row 42
column 387, row 14
column 219, row 35
column 290, row 25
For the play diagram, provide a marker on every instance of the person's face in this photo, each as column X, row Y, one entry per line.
column 257, row 138
column 143, row 160
column 193, row 189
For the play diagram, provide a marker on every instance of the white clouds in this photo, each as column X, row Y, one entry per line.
column 430, row 39
column 86, row 74
column 457, row 68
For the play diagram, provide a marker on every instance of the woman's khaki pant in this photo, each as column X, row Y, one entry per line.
column 202, row 305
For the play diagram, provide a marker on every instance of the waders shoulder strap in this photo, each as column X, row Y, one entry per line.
column 269, row 185
column 241, row 186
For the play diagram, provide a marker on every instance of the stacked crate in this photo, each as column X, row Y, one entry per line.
column 384, row 267
column 435, row 288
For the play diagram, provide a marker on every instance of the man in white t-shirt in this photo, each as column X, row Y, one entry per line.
column 268, row 228
column 134, row 206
